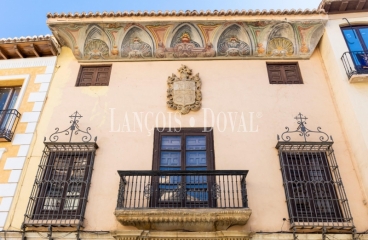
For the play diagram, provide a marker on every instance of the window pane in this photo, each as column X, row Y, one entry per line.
column 170, row 159
column 352, row 40
column 54, row 193
column 196, row 142
column 73, row 196
column 4, row 94
column 14, row 98
column 364, row 34
column 171, row 143
column 196, row 158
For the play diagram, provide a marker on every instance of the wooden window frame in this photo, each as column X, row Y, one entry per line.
column 158, row 133
column 77, row 83
column 210, row 158
column 283, row 75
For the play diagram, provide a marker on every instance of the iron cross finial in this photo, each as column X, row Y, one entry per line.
column 303, row 131
column 301, row 118
column 72, row 130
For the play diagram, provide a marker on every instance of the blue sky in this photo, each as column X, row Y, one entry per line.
column 28, row 17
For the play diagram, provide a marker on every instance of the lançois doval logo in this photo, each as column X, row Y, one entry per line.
column 184, row 92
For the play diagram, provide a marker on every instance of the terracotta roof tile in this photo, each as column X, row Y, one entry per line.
column 187, row 13
column 25, row 39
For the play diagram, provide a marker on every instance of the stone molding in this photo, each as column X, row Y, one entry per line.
column 148, row 235
column 195, row 220
column 30, row 62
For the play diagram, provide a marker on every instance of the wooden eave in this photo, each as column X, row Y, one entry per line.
column 344, row 6
column 43, row 48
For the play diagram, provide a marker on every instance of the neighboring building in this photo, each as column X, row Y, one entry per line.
column 26, row 67
column 183, row 132
column 344, row 50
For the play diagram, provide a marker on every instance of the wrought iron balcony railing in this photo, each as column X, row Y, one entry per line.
column 182, row 189
column 8, row 123
column 355, row 63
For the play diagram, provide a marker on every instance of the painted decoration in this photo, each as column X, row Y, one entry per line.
column 280, row 47
column 96, row 49
column 121, row 41
column 230, row 44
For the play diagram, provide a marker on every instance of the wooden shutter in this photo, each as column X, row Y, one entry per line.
column 94, row 76
column 275, row 74
column 102, row 76
column 284, row 73
column 292, row 74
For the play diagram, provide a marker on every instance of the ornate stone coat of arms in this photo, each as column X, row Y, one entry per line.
column 184, row 92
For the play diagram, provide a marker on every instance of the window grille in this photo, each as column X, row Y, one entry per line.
column 60, row 191
column 313, row 186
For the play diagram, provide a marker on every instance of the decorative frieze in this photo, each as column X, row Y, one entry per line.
column 96, row 40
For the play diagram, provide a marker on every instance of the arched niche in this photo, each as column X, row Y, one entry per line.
column 234, row 41
column 281, row 41
column 97, row 43
column 137, row 43
column 184, row 31
column 280, row 47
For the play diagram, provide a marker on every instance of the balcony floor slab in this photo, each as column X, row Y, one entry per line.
column 194, row 220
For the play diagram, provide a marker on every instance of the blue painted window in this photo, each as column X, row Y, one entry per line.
column 183, row 152
column 357, row 40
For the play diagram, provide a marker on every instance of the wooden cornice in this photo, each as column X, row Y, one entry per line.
column 27, row 47
column 344, row 6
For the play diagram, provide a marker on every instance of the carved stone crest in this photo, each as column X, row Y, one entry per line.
column 184, row 92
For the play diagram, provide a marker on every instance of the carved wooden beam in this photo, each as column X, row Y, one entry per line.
column 18, row 52
column 52, row 48
column 343, row 5
column 34, row 49
column 2, row 54
column 327, row 6
column 360, row 4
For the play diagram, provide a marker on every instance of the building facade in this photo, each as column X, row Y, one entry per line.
column 192, row 125
column 343, row 48
column 26, row 68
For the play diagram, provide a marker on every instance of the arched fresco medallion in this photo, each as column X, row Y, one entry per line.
column 136, row 44
column 230, row 44
column 96, row 49
column 280, row 47
column 280, row 43
column 188, row 43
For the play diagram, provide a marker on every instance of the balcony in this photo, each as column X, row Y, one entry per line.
column 8, row 123
column 198, row 201
column 356, row 66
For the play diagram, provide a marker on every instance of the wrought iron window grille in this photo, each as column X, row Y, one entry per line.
column 9, row 119
column 182, row 189
column 60, row 191
column 314, row 190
